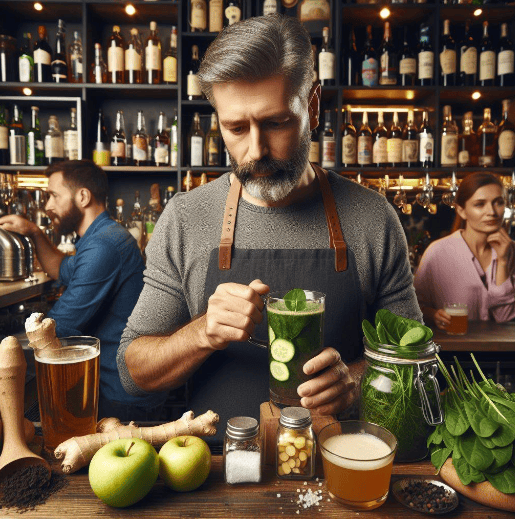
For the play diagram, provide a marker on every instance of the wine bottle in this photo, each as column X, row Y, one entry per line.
column 174, row 143
column 35, row 147
column 101, row 151
column 487, row 137
column 212, row 145
column 170, row 61
column 506, row 138
column 328, row 142
column 140, row 142
column 71, row 138
column 410, row 142
column 153, row 61
column 216, row 15
column 407, row 63
column 17, row 142
column 115, row 57
column 119, row 142
column 349, row 141
column 98, row 67
column 26, row 61
column 42, row 57
column 314, row 150
column 505, row 59
column 369, row 63
column 193, row 86
column 75, row 66
column 161, row 144
column 449, row 140
column 352, row 65
column 134, row 59
column 425, row 58
column 394, row 143
column 380, row 142
column 365, row 143
column 388, row 59
column 467, row 153
column 59, row 65
column 4, row 138
column 198, row 15
column 447, row 56
column 486, row 59
column 196, row 142
column 326, row 61
column 54, row 142
column 468, row 58
column 426, row 143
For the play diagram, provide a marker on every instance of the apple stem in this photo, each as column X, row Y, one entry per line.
column 129, row 449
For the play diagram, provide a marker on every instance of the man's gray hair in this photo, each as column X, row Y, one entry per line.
column 260, row 48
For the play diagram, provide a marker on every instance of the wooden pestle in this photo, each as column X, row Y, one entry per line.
column 15, row 453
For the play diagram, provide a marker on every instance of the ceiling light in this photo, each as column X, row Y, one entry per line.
column 38, row 6
column 384, row 13
column 27, row 91
column 476, row 95
column 478, row 12
column 130, row 9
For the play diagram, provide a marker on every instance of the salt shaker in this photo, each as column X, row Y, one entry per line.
column 242, row 451
column 296, row 444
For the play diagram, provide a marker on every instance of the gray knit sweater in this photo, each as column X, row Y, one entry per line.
column 190, row 228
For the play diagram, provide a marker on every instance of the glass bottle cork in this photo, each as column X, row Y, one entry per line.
column 242, row 451
column 296, row 444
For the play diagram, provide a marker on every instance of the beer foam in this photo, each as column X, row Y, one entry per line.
column 67, row 354
column 33, row 321
column 342, row 450
column 457, row 311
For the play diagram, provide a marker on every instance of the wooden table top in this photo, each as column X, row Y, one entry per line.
column 12, row 292
column 271, row 499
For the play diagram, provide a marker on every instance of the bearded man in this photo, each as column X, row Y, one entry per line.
column 287, row 224
column 103, row 280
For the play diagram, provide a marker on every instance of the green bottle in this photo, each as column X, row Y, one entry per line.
column 26, row 61
column 4, row 138
column 35, row 148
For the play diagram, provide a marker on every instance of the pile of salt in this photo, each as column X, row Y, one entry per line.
column 243, row 467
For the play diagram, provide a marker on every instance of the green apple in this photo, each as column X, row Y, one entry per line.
column 123, row 471
column 184, row 463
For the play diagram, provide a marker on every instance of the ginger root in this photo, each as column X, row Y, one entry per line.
column 41, row 332
column 78, row 451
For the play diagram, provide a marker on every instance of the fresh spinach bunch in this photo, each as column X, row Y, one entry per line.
column 479, row 429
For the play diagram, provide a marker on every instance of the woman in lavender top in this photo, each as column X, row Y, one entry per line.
column 476, row 263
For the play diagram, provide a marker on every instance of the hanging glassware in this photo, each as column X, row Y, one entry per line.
column 425, row 197
column 449, row 198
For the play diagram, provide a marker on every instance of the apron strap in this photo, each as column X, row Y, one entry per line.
column 336, row 240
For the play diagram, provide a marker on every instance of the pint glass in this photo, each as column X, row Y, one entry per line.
column 68, row 384
column 358, row 459
column 459, row 318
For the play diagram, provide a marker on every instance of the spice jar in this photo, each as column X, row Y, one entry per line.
column 401, row 393
column 242, row 451
column 296, row 444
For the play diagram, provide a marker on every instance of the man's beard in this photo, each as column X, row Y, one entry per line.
column 282, row 176
column 69, row 221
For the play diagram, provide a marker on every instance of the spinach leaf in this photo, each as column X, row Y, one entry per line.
column 435, row 437
column 295, row 300
column 448, row 438
column 480, row 423
column 466, row 472
column 502, row 455
column 370, row 333
column 474, row 452
column 439, row 455
column 503, row 481
column 381, row 333
column 456, row 421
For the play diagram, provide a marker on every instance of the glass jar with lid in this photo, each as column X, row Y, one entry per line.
column 400, row 392
column 242, row 451
column 296, row 444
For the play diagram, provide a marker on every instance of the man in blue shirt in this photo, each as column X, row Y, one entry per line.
column 103, row 280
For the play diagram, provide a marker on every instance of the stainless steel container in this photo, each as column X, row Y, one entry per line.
column 16, row 256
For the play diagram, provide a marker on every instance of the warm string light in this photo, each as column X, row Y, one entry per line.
column 38, row 6
column 478, row 12
column 130, row 9
column 476, row 95
column 27, row 91
column 384, row 13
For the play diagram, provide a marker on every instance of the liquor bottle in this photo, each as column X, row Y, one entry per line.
column 153, row 61
column 101, row 152
column 4, row 138
column 314, row 14
column 487, row 139
column 326, row 61
column 170, row 61
column 505, row 59
column 449, row 140
column 270, row 7
column 352, row 64
column 140, row 142
column 467, row 151
column 193, row 86
column 447, row 56
column 115, row 57
column 174, row 143
column 426, row 142
column 119, row 212
column 233, row 11
column 75, row 69
column 35, row 148
column 369, row 63
column 161, row 144
column 506, row 138
column 314, row 149
column 54, row 144
column 468, row 58
column 196, row 142
column 328, row 142
column 17, row 143
column 59, row 65
column 119, row 142
column 134, row 59
column 198, row 15
column 407, row 63
column 71, row 138
column 170, row 192
column 212, row 146
column 365, row 143
column 486, row 59
column 98, row 68
column 216, row 15
column 410, row 142
column 394, row 143
column 187, row 181
column 42, row 57
column 349, row 141
column 380, row 142
column 135, row 224
column 425, row 58
column 389, row 64
column 26, row 61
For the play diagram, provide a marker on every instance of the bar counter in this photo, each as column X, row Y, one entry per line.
column 271, row 499
column 12, row 292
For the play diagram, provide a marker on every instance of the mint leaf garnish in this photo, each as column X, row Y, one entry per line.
column 295, row 300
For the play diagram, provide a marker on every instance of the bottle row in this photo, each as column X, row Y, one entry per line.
column 411, row 146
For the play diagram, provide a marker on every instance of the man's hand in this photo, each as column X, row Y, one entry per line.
column 233, row 312
column 333, row 390
column 18, row 224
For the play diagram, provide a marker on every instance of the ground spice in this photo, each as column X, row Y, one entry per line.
column 29, row 487
column 425, row 496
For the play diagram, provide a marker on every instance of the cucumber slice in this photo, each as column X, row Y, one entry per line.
column 279, row 371
column 413, row 336
column 282, row 350
column 271, row 334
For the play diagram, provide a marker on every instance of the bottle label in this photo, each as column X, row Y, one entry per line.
column 59, row 69
column 379, row 151
column 25, row 67
column 54, row 147
column 71, row 144
column 161, row 154
column 216, row 12
column 170, row 69
column 394, row 150
column 408, row 66
column 193, row 86
column 426, row 147
column 369, row 72
column 487, row 65
column 42, row 56
column 132, row 60
column 139, row 148
column 118, row 149
column 198, row 15
column 31, row 149
column 349, row 149
column 468, row 64
column 314, row 152
column 115, row 59
column 326, row 65
column 152, row 57
column 101, row 155
column 364, row 149
column 426, row 61
column 233, row 14
column 76, row 65
column 486, row 160
column 507, row 145
column 17, row 149
column 197, row 149
column 410, row 151
column 449, row 155
column 173, row 156
column 315, row 10
column 505, row 62
column 328, row 152
column 463, row 158
column 448, row 62
column 4, row 138
column 269, row 7
column 388, row 75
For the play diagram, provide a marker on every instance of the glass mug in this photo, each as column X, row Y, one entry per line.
column 68, row 384
column 459, row 318
column 294, row 337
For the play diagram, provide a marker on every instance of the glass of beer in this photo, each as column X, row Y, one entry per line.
column 68, row 384
column 357, row 457
column 459, row 318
